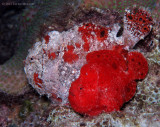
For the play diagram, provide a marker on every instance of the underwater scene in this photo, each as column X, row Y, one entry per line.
column 79, row 63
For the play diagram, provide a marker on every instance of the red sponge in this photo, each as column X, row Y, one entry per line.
column 108, row 57
column 137, row 65
column 107, row 81
column 84, row 90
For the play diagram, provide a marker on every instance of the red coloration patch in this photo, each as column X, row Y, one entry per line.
column 78, row 45
column 86, row 46
column 51, row 55
column 113, row 58
column 47, row 39
column 139, row 21
column 79, row 91
column 44, row 51
column 120, row 49
column 130, row 90
column 70, row 57
column 92, row 31
column 137, row 65
column 37, row 80
column 54, row 96
column 102, row 34
column 107, row 81
column 70, row 48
